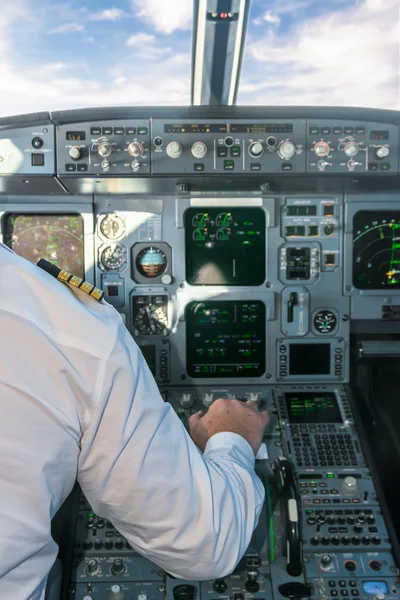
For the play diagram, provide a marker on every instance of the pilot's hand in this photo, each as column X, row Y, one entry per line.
column 229, row 415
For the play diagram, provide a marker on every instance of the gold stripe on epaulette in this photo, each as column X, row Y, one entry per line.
column 64, row 276
column 87, row 287
column 75, row 281
column 96, row 293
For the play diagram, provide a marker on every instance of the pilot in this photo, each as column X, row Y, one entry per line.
column 78, row 402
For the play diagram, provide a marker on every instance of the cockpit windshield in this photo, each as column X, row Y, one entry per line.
column 83, row 53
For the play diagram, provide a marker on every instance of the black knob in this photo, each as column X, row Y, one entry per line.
column 356, row 540
column 315, row 541
column 119, row 544
column 326, row 559
column 98, row 544
column 361, row 518
column 345, row 540
column 118, row 567
column 311, row 520
column 331, row 520
column 87, row 545
column 341, row 520
column 350, row 565
column 184, row 592
column 376, row 540
column 371, row 520
column 357, row 529
column 351, row 520
column 329, row 229
column 335, row 540
column 366, row 541
column 252, row 586
column 219, row 586
column 100, row 523
column 325, row 540
column 108, row 545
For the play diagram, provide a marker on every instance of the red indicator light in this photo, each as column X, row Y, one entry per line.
column 224, row 15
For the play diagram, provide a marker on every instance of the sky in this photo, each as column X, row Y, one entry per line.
column 81, row 53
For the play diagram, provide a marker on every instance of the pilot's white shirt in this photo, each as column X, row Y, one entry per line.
column 77, row 401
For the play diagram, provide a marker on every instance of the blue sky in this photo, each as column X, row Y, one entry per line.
column 57, row 55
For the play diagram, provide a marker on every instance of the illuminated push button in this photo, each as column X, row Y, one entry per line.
column 116, row 593
column 174, row 149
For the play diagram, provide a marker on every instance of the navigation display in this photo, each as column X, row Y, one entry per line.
column 319, row 407
column 309, row 359
column 57, row 238
column 225, row 339
column 225, row 247
column 376, row 250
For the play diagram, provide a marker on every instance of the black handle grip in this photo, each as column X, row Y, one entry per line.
column 284, row 470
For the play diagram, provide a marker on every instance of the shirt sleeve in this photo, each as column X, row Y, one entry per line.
column 192, row 514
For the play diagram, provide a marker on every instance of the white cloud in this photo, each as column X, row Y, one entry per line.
column 58, row 66
column 111, row 14
column 328, row 60
column 268, row 17
column 68, row 28
column 146, row 46
column 165, row 16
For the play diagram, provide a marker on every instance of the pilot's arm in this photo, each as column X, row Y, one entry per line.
column 191, row 513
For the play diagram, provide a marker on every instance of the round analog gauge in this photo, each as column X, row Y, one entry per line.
column 200, row 235
column 112, row 226
column 150, row 320
column 113, row 258
column 224, row 220
column 223, row 234
column 151, row 262
column 201, row 220
column 325, row 321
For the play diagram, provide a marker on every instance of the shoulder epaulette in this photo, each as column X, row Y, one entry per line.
column 70, row 279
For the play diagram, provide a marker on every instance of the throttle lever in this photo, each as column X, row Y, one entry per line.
column 284, row 470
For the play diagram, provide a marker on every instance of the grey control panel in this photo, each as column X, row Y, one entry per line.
column 237, row 147
column 98, row 148
column 27, row 150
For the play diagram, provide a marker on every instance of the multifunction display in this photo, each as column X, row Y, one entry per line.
column 376, row 250
column 309, row 359
column 320, row 407
column 225, row 247
column 56, row 238
column 225, row 339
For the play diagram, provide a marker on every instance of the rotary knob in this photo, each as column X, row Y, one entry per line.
column 256, row 149
column 105, row 149
column 207, row 399
column 174, row 149
column 351, row 149
column 349, row 486
column 135, row 149
column 322, row 149
column 286, row 150
column 199, row 149
column 92, row 567
column 118, row 567
column 382, row 152
column 115, row 593
column 142, row 597
column 186, row 400
column 75, row 153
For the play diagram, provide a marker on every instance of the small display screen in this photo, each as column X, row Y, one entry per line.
column 375, row 587
column 376, row 250
column 225, row 339
column 57, row 238
column 319, row 407
column 76, row 136
column 149, row 353
column 379, row 135
column 225, row 247
column 261, row 128
column 302, row 210
column 196, row 128
column 309, row 359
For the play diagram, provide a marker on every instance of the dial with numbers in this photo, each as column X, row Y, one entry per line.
column 325, row 321
column 113, row 257
column 112, row 226
column 150, row 319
